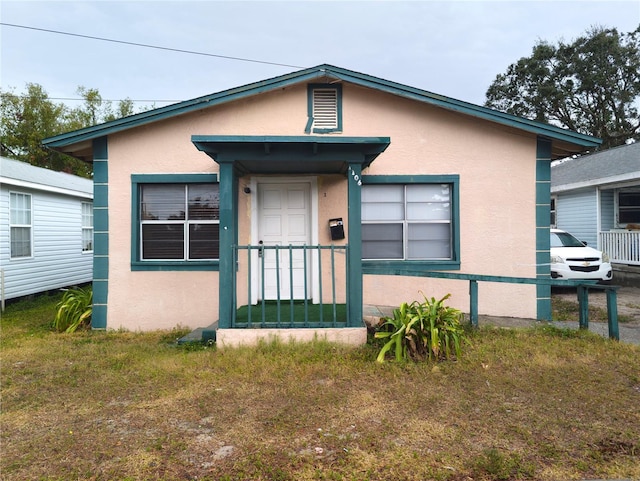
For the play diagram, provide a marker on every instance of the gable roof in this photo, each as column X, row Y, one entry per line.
column 619, row 164
column 565, row 141
column 22, row 174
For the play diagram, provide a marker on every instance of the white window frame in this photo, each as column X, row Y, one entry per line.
column 18, row 225
column 87, row 227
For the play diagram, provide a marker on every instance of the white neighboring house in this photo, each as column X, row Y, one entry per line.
column 46, row 229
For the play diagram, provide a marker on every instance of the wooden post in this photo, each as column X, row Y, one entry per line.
column 473, row 297
column 612, row 312
column 583, row 305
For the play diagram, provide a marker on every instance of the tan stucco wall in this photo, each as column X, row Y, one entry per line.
column 497, row 187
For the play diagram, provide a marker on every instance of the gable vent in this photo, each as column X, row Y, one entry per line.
column 325, row 108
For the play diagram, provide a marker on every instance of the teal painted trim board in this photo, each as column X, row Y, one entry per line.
column 354, row 266
column 101, row 233
column 543, row 220
column 227, row 288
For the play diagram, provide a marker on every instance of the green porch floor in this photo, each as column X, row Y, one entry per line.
column 296, row 313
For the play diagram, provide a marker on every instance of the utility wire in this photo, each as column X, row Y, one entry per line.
column 135, row 44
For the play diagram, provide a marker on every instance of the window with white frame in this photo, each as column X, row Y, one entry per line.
column 179, row 221
column 87, row 227
column 407, row 221
column 20, row 225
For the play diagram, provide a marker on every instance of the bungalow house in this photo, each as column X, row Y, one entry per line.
column 596, row 197
column 324, row 186
column 46, row 229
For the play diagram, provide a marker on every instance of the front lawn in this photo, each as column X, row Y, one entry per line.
column 540, row 403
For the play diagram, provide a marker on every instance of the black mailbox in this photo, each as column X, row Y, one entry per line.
column 337, row 228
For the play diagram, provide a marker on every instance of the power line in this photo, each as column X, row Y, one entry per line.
column 135, row 44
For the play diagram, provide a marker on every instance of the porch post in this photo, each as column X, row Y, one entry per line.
column 354, row 259
column 226, row 291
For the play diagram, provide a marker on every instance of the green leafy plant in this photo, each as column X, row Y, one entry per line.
column 74, row 310
column 422, row 330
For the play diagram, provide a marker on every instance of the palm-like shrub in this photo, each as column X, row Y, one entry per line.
column 74, row 310
column 422, row 330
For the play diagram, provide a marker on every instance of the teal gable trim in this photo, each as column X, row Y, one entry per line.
column 100, row 285
column 323, row 73
column 416, row 268
column 182, row 265
column 543, row 220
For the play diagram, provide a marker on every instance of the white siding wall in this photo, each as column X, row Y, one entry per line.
column 58, row 260
column 576, row 213
column 607, row 210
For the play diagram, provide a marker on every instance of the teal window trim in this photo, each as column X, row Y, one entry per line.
column 182, row 265
column 311, row 88
column 416, row 267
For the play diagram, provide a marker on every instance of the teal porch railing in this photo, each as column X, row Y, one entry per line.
column 582, row 289
column 296, row 274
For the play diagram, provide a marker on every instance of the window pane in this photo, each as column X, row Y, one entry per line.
column 87, row 215
column 428, row 202
column 20, row 209
column 382, row 241
column 204, row 202
column 429, row 241
column 163, row 241
column 87, row 240
column 163, row 202
column 629, row 199
column 630, row 216
column 382, row 202
column 204, row 241
column 20, row 242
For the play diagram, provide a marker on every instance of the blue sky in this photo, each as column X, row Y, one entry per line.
column 453, row 48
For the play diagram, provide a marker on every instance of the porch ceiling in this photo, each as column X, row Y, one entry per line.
column 291, row 155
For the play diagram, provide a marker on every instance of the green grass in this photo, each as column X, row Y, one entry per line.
column 539, row 404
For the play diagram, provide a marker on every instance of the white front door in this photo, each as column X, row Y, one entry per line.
column 284, row 214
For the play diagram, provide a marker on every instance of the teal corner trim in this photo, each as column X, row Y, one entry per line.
column 354, row 266
column 101, row 233
column 543, row 221
column 310, row 89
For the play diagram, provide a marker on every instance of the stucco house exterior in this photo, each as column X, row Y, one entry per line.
column 46, row 229
column 596, row 197
column 372, row 183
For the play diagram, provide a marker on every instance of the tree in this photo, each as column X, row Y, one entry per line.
column 27, row 119
column 591, row 85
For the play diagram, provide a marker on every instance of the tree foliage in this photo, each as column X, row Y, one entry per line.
column 26, row 119
column 591, row 85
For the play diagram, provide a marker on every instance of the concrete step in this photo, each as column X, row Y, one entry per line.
column 201, row 334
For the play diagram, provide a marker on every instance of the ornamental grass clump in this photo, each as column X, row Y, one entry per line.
column 420, row 331
column 74, row 310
